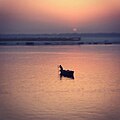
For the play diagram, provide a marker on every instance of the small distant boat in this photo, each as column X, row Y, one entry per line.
column 66, row 73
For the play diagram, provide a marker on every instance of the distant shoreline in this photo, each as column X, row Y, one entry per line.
column 37, row 43
column 60, row 39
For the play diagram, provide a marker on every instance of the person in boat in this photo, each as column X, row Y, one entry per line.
column 61, row 68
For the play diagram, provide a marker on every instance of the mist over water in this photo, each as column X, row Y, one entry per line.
column 31, row 89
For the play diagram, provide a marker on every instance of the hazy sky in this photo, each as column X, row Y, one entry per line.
column 59, row 16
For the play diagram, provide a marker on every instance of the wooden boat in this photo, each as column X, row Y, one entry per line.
column 66, row 73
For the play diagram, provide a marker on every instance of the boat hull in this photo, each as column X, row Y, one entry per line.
column 67, row 73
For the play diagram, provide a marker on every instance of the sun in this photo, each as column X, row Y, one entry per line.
column 75, row 30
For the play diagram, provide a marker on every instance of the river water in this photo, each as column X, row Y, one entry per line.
column 31, row 89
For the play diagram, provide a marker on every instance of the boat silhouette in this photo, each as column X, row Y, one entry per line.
column 66, row 73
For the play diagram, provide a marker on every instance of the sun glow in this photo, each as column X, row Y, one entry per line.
column 71, row 11
column 59, row 15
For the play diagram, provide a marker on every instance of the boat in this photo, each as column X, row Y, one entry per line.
column 66, row 73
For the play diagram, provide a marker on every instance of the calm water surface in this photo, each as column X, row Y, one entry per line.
column 31, row 89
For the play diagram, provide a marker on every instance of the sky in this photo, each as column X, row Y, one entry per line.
column 59, row 16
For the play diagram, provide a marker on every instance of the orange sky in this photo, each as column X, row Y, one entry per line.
column 46, row 16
